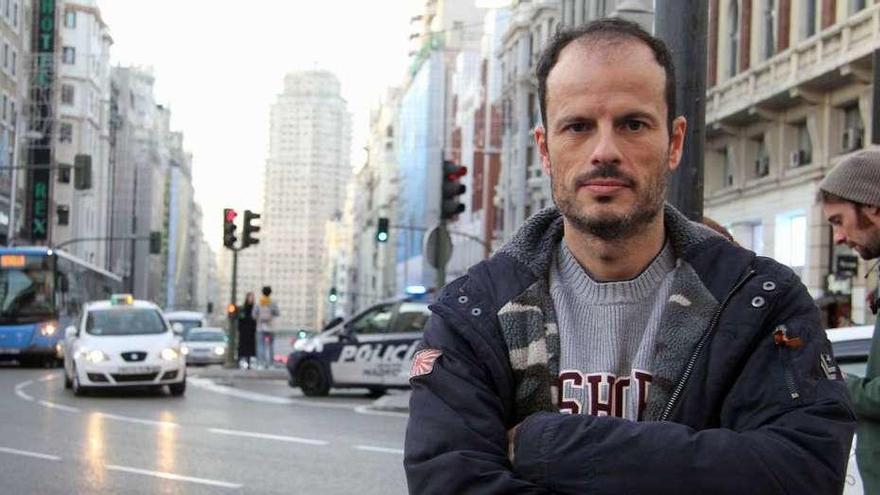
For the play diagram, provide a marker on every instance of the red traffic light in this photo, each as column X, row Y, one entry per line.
column 229, row 214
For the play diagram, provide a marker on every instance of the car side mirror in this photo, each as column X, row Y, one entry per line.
column 177, row 328
column 70, row 332
column 347, row 334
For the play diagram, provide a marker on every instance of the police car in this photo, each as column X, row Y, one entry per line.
column 122, row 342
column 373, row 350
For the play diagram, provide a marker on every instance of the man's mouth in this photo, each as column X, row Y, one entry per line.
column 604, row 186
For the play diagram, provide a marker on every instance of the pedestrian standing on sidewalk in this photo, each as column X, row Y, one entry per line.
column 264, row 314
column 613, row 346
column 850, row 198
column 247, row 329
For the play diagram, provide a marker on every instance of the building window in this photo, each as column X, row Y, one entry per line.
column 809, row 18
column 856, row 5
column 733, row 38
column 853, row 130
column 70, row 19
column 68, row 55
column 727, row 168
column 67, row 92
column 762, row 158
column 64, row 173
column 769, row 28
column 14, row 62
column 791, row 240
column 15, row 14
column 65, row 133
column 803, row 154
column 63, row 212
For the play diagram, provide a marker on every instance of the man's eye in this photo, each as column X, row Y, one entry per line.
column 634, row 125
column 579, row 127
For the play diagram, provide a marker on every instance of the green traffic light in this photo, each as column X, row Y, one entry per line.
column 382, row 236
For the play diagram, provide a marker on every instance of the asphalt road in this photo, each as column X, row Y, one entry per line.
column 247, row 436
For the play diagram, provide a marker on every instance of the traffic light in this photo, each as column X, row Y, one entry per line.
column 249, row 230
column 229, row 228
column 382, row 230
column 333, row 297
column 231, row 309
column 451, row 205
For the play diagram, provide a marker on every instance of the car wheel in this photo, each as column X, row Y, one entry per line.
column 78, row 389
column 177, row 389
column 376, row 392
column 312, row 379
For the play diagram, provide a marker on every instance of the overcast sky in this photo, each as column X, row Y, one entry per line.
column 219, row 64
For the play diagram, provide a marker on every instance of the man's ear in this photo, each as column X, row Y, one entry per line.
column 541, row 142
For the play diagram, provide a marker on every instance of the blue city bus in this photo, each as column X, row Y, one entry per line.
column 42, row 291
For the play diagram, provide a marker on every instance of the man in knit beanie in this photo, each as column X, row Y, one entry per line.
column 850, row 197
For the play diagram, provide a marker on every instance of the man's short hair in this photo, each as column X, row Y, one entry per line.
column 607, row 29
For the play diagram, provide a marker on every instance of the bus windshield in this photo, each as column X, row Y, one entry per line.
column 26, row 290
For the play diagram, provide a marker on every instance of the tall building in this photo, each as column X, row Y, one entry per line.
column 15, row 37
column 790, row 94
column 305, row 179
column 83, row 130
column 426, row 115
column 376, row 196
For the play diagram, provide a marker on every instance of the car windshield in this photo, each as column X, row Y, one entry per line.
column 125, row 321
column 187, row 325
column 197, row 336
column 26, row 291
column 854, row 368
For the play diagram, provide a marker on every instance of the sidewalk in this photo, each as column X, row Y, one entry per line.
column 393, row 401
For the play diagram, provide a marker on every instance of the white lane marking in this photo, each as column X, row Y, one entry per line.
column 30, row 454
column 242, row 394
column 60, row 407
column 208, row 384
column 172, row 476
column 383, row 450
column 19, row 392
column 266, row 436
column 372, row 412
column 138, row 420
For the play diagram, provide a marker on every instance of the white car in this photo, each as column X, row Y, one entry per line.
column 205, row 345
column 851, row 346
column 183, row 321
column 120, row 343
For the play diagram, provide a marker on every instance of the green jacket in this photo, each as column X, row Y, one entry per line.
column 865, row 393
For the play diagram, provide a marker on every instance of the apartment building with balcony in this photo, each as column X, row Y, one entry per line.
column 790, row 94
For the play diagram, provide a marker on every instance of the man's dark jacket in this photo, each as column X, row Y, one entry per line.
column 745, row 398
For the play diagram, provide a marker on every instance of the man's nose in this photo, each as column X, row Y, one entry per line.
column 606, row 149
column 839, row 236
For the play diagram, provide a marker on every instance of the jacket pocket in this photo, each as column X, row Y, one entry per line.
column 785, row 345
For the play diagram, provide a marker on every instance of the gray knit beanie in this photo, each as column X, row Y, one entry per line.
column 856, row 178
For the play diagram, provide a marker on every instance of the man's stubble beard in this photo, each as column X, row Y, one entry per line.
column 610, row 226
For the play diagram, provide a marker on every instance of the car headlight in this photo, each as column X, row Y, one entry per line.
column 48, row 329
column 220, row 350
column 169, row 354
column 96, row 356
column 184, row 350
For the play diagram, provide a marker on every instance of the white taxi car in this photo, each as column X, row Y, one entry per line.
column 120, row 343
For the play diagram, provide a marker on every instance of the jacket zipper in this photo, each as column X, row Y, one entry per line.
column 679, row 387
column 783, row 341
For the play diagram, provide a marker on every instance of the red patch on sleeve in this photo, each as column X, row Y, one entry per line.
column 423, row 362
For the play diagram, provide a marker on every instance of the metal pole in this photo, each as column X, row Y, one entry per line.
column 233, row 317
column 441, row 267
column 132, row 257
column 682, row 25
column 13, row 187
column 875, row 103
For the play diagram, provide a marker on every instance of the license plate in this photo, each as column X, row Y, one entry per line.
column 9, row 350
column 201, row 351
column 136, row 370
